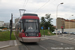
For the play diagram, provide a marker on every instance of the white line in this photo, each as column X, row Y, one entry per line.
column 15, row 42
column 42, row 39
column 46, row 38
column 43, row 47
column 71, row 38
column 67, row 38
column 4, row 46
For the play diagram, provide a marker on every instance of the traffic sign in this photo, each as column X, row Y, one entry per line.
column 41, row 27
column 61, row 26
column 48, row 28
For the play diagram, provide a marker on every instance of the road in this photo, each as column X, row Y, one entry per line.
column 48, row 43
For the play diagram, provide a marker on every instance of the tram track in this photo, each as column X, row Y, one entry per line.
column 28, row 45
column 32, row 46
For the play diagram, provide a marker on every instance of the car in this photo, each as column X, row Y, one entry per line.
column 65, row 32
column 58, row 32
column 73, row 33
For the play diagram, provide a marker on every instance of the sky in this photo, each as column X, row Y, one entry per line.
column 40, row 7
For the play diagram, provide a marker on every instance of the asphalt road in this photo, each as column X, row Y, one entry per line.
column 47, row 43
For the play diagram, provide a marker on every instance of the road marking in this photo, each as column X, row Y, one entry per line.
column 46, row 38
column 43, row 47
column 42, row 39
column 15, row 42
column 4, row 46
column 71, row 38
column 67, row 38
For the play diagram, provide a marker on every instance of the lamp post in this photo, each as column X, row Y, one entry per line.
column 56, row 16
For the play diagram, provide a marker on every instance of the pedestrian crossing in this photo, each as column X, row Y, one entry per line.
column 46, row 38
column 69, row 38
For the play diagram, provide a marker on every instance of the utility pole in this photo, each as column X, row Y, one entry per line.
column 11, row 23
column 56, row 16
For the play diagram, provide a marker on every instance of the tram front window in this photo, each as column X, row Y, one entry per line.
column 31, row 27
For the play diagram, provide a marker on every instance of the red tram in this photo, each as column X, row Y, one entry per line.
column 27, row 28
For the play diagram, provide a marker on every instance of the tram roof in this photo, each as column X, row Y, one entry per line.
column 30, row 16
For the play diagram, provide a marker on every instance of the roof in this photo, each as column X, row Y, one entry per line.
column 29, row 16
column 70, row 20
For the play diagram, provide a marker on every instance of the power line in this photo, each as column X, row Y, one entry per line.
column 48, row 3
column 25, row 3
column 42, row 5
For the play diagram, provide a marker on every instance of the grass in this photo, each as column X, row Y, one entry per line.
column 46, row 32
column 5, row 35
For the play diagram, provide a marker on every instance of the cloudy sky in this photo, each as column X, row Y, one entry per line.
column 40, row 7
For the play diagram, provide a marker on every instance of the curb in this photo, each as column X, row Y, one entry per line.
column 9, row 45
column 15, row 43
column 5, row 46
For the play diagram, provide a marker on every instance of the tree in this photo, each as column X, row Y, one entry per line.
column 46, row 22
column 48, row 18
column 42, row 21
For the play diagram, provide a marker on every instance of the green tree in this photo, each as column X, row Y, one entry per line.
column 42, row 21
column 46, row 22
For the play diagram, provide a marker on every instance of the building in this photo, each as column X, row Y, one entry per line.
column 1, row 23
column 65, row 23
column 7, row 25
column 60, row 22
column 14, row 25
column 16, row 20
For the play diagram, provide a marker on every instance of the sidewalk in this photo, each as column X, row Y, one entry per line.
column 4, row 44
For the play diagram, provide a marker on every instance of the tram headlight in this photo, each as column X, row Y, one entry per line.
column 22, row 31
column 26, row 34
column 37, row 34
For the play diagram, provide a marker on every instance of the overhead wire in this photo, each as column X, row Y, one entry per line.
column 25, row 3
column 42, row 6
column 48, row 3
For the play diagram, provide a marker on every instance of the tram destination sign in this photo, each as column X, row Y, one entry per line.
column 31, row 20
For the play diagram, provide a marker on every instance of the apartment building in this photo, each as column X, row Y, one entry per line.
column 67, row 24
column 16, row 20
column 1, row 23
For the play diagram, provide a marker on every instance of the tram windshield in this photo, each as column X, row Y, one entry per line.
column 31, row 26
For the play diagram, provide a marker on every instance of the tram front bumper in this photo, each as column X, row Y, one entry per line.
column 31, row 39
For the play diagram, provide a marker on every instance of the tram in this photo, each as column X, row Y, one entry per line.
column 27, row 28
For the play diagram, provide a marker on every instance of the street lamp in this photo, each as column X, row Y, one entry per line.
column 56, row 16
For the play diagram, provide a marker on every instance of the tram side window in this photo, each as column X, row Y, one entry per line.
column 21, row 26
